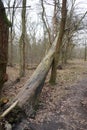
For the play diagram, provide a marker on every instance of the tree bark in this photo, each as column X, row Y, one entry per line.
column 46, row 23
column 59, row 43
column 11, row 35
column 22, row 40
column 4, row 32
column 85, row 52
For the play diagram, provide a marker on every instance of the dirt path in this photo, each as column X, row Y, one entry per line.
column 69, row 113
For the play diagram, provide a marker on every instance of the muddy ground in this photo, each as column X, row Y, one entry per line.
column 61, row 107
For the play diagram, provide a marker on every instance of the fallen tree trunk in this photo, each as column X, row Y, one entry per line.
column 26, row 98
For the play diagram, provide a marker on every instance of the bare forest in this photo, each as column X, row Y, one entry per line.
column 43, row 65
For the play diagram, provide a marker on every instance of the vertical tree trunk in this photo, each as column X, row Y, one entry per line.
column 67, row 48
column 22, row 40
column 59, row 42
column 11, row 35
column 4, row 32
column 85, row 52
column 55, row 20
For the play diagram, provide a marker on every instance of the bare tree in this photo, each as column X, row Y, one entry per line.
column 55, row 18
column 11, row 34
column 59, row 42
column 45, row 22
column 22, row 40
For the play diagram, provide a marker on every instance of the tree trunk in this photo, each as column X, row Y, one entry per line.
column 27, row 97
column 55, row 20
column 4, row 32
column 11, row 35
column 22, row 40
column 85, row 52
column 59, row 43
column 67, row 49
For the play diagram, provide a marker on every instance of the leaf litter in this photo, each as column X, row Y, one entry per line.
column 62, row 106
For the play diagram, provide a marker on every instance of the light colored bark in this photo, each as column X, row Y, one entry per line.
column 22, row 40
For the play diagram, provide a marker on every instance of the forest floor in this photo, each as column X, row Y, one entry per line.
column 62, row 106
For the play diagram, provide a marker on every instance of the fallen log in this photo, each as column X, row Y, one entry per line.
column 26, row 98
